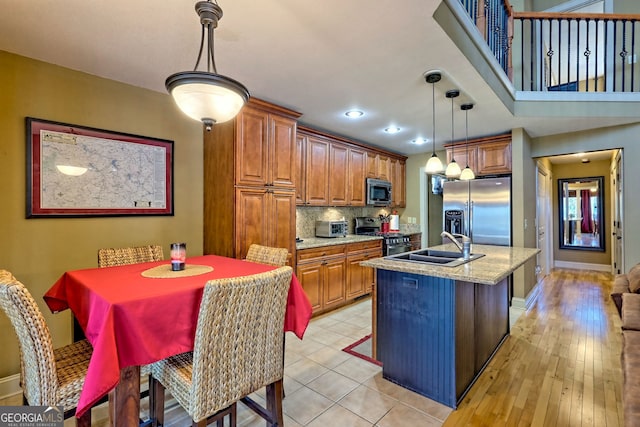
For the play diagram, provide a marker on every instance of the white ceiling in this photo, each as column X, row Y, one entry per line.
column 317, row 57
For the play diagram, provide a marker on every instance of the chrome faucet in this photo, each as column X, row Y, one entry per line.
column 465, row 247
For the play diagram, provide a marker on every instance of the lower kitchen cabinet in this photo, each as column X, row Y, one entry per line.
column 415, row 240
column 322, row 272
column 360, row 279
column 331, row 276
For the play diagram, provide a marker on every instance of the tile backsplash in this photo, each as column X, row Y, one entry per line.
column 306, row 217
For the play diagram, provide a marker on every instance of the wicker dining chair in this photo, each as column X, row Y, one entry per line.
column 50, row 377
column 267, row 255
column 110, row 257
column 237, row 350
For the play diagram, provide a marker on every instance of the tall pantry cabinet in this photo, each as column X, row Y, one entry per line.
column 250, row 181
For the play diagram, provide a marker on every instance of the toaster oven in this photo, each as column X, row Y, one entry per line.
column 331, row 228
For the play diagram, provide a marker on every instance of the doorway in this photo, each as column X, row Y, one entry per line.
column 617, row 236
column 543, row 222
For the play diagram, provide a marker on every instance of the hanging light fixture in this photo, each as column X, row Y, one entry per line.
column 453, row 169
column 467, row 173
column 206, row 95
column 434, row 165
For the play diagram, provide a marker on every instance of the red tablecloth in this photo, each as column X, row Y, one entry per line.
column 134, row 320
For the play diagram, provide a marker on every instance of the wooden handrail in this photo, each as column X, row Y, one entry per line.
column 576, row 16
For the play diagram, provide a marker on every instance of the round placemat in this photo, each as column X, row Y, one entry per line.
column 164, row 271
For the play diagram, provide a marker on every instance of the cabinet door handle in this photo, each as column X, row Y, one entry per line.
column 324, row 263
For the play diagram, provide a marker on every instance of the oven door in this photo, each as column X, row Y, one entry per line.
column 397, row 248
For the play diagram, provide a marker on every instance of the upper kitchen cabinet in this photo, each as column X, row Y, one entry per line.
column 338, row 169
column 316, row 176
column 250, row 166
column 301, row 168
column 378, row 166
column 333, row 170
column 356, row 176
column 397, row 175
column 486, row 156
column 494, row 157
column 265, row 147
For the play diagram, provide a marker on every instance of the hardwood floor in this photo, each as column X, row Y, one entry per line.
column 561, row 364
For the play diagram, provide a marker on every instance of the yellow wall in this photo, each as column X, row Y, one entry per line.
column 38, row 251
column 434, row 215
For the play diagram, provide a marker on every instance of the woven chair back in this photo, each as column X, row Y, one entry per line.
column 109, row 257
column 36, row 348
column 238, row 344
column 267, row 255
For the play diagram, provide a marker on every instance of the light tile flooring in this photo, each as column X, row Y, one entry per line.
column 324, row 386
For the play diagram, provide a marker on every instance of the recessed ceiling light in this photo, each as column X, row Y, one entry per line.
column 392, row 129
column 419, row 141
column 354, row 114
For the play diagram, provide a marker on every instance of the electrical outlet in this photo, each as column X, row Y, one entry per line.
column 525, row 223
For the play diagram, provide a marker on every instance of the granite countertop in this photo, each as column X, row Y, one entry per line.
column 316, row 242
column 498, row 263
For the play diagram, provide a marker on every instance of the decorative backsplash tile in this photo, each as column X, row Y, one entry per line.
column 306, row 217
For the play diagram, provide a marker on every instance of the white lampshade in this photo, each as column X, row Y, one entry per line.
column 208, row 97
column 453, row 170
column 467, row 174
column 434, row 165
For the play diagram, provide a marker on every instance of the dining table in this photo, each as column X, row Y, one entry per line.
column 137, row 314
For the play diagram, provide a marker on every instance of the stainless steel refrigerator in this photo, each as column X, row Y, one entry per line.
column 480, row 209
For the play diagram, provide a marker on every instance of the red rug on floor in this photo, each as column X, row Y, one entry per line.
column 362, row 349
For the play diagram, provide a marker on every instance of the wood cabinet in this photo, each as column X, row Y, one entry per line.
column 264, row 215
column 415, row 240
column 250, row 168
column 333, row 170
column 332, row 275
column 494, row 158
column 485, row 156
column 360, row 279
column 397, row 175
column 322, row 273
column 378, row 165
column 317, row 171
column 338, row 178
column 356, row 177
column 301, row 169
column 265, row 148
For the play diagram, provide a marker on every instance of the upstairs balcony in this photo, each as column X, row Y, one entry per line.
column 568, row 52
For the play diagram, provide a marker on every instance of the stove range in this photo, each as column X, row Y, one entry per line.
column 392, row 242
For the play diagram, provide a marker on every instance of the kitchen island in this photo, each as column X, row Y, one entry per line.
column 437, row 327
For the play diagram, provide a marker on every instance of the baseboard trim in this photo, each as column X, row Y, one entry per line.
column 10, row 386
column 582, row 266
column 518, row 303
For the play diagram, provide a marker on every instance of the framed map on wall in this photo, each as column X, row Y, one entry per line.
column 77, row 171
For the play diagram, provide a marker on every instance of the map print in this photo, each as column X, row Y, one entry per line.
column 90, row 173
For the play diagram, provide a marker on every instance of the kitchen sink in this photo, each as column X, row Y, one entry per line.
column 434, row 257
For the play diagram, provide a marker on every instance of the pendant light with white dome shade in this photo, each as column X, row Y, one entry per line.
column 206, row 95
column 434, row 164
column 453, row 169
column 467, row 173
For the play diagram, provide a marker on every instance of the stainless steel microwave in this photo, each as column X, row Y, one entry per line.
column 378, row 192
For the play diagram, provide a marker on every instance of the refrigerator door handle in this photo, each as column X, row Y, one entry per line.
column 471, row 220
